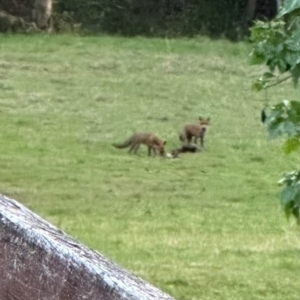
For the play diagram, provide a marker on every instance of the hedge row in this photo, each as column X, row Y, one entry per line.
column 158, row 17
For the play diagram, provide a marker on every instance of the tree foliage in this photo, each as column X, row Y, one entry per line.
column 277, row 45
column 158, row 17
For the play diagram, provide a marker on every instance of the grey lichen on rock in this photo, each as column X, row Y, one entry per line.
column 40, row 262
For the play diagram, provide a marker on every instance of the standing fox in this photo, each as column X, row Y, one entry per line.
column 147, row 138
column 195, row 130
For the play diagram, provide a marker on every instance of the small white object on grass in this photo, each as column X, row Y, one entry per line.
column 169, row 155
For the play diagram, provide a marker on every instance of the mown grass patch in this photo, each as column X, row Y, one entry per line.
column 205, row 226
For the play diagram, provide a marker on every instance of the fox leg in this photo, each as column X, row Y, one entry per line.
column 189, row 137
column 151, row 148
column 136, row 148
column 154, row 151
column 133, row 147
column 130, row 149
column 202, row 141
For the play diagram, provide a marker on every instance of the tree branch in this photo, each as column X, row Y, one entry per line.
column 278, row 82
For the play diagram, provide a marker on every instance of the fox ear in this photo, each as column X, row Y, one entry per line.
column 165, row 142
column 208, row 119
column 200, row 118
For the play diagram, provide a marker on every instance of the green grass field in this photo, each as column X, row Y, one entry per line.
column 205, row 226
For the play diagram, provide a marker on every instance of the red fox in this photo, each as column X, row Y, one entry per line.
column 147, row 138
column 195, row 130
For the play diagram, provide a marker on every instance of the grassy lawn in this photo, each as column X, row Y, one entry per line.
column 205, row 226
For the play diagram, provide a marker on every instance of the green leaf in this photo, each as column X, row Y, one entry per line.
column 258, row 85
column 291, row 145
column 290, row 198
column 289, row 6
column 268, row 75
column 257, row 59
column 281, row 64
column 293, row 110
column 296, row 213
column 296, row 74
column 292, row 59
column 292, row 41
column 290, row 128
column 290, row 178
column 284, row 118
column 288, row 195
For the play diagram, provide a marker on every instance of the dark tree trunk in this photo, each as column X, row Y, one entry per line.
column 266, row 9
column 41, row 13
column 260, row 10
column 37, row 11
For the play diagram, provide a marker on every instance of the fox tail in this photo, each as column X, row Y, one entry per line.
column 126, row 144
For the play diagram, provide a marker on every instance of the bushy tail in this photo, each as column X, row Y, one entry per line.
column 126, row 144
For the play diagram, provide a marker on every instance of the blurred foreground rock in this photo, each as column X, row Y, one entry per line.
column 40, row 262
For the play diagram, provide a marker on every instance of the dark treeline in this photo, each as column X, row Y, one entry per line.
column 216, row 18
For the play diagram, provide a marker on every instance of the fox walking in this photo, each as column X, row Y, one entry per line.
column 195, row 130
column 146, row 138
